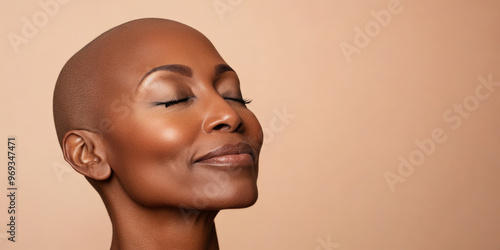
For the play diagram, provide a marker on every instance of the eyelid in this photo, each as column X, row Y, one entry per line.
column 167, row 104
column 243, row 101
column 173, row 102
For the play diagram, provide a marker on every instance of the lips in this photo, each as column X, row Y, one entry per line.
column 229, row 155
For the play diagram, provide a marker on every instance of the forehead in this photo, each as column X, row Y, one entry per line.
column 131, row 52
column 152, row 45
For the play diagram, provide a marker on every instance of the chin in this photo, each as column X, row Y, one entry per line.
column 245, row 202
column 235, row 199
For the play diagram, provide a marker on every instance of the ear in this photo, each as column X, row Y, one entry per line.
column 84, row 151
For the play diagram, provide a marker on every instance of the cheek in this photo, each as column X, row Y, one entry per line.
column 149, row 137
column 149, row 156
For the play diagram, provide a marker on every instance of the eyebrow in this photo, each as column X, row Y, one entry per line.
column 184, row 70
column 221, row 68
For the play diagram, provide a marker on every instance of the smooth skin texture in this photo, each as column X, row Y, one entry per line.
column 154, row 118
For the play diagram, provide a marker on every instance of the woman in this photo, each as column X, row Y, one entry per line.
column 154, row 118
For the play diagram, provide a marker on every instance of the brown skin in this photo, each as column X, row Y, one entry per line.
column 138, row 130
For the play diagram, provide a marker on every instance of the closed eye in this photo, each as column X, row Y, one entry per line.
column 243, row 101
column 167, row 104
column 172, row 102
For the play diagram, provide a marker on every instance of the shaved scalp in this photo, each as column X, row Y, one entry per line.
column 82, row 94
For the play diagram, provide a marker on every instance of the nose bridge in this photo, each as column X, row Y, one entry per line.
column 220, row 115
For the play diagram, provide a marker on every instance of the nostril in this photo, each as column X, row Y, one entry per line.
column 238, row 127
column 222, row 126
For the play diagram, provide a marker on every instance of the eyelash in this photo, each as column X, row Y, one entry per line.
column 243, row 101
column 172, row 102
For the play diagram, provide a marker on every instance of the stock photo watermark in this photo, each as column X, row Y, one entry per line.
column 122, row 107
column 12, row 189
column 222, row 7
column 326, row 244
column 277, row 123
column 31, row 25
column 61, row 170
column 363, row 36
column 220, row 181
column 454, row 117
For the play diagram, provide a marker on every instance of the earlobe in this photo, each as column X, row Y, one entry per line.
column 84, row 151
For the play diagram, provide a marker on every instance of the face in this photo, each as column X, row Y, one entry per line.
column 181, row 133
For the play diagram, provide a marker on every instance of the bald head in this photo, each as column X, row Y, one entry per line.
column 110, row 65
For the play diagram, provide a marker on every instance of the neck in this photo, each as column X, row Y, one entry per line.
column 139, row 227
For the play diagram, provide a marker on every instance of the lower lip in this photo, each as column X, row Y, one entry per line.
column 233, row 160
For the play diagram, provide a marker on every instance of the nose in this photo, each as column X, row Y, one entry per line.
column 221, row 116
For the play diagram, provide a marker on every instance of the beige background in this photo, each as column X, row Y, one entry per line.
column 322, row 183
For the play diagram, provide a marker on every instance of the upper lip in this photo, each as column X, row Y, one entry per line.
column 228, row 149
